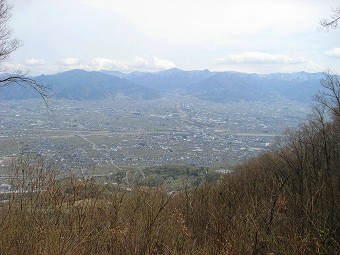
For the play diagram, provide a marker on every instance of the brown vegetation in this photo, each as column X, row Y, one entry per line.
column 286, row 201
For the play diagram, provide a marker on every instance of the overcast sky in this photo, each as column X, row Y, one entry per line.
column 262, row 36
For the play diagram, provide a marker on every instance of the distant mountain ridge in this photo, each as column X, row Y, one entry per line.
column 169, row 80
column 83, row 85
column 211, row 86
column 233, row 86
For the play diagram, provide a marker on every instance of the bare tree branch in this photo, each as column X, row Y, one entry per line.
column 7, row 46
column 24, row 81
column 330, row 96
column 333, row 22
column 7, row 43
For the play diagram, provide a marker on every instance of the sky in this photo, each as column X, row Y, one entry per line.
column 253, row 36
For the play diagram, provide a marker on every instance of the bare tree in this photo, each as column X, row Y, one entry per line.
column 333, row 21
column 329, row 97
column 7, row 46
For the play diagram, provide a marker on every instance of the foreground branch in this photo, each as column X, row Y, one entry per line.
column 26, row 82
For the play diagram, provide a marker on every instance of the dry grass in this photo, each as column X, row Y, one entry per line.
column 254, row 210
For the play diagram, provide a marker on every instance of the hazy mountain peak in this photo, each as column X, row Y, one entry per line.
column 214, row 86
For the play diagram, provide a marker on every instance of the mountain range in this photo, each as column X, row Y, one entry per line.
column 203, row 84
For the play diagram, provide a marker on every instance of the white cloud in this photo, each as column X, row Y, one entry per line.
column 261, row 58
column 138, row 63
column 153, row 64
column 69, row 61
column 35, row 62
column 39, row 66
column 335, row 53
column 162, row 64
column 107, row 64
